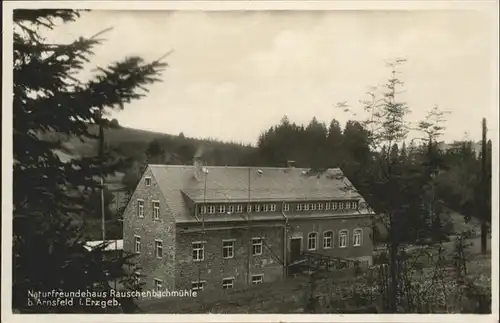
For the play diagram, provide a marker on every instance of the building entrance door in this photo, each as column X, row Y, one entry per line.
column 295, row 249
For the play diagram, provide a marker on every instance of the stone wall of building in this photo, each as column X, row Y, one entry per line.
column 149, row 230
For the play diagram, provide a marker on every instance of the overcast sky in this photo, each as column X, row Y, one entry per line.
column 233, row 74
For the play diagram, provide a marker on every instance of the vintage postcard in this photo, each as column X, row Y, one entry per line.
column 236, row 161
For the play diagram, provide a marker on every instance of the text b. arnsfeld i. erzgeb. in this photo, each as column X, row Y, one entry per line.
column 104, row 299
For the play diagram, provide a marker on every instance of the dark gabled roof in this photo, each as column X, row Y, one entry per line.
column 233, row 184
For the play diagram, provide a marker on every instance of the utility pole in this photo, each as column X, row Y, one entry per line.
column 101, row 160
column 485, row 191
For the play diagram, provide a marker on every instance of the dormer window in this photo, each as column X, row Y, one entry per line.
column 313, row 207
column 211, row 209
column 306, row 207
column 320, row 206
column 249, row 208
column 239, row 208
column 222, row 208
column 203, row 209
column 257, row 208
column 328, row 206
column 265, row 208
column 273, row 207
column 147, row 181
column 299, row 207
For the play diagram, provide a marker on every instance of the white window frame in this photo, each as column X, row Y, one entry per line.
column 313, row 206
column 341, row 234
column 265, row 208
column 357, row 232
column 354, row 205
column 347, row 205
column 140, row 208
column 203, row 209
column 272, row 207
column 199, row 251
column 137, row 244
column 221, row 209
column 158, row 283
column 320, row 206
column 315, row 234
column 256, row 208
column 299, row 207
column 230, row 248
column 286, row 207
column 158, row 246
column 156, row 209
column 341, row 205
column 146, row 180
column 200, row 285
column 212, row 209
column 249, row 208
column 328, row 206
column 325, row 239
column 226, row 284
column 306, row 207
column 239, row 208
column 230, row 209
column 257, row 244
column 335, row 205
column 259, row 281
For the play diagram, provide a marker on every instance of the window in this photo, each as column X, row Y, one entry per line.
column 249, row 208
column 197, row 286
column 343, row 239
column 299, row 207
column 222, row 208
column 230, row 209
column 158, row 284
column 211, row 209
column 257, row 246
column 228, row 283
column 328, row 206
column 227, row 249
column 357, row 237
column 286, row 207
column 203, row 209
column 347, row 205
column 147, row 180
column 320, row 206
column 265, row 208
column 341, row 205
column 313, row 207
column 306, row 207
column 140, row 208
column 198, row 251
column 159, row 249
column 328, row 240
column 335, row 205
column 354, row 205
column 156, row 210
column 239, row 208
column 257, row 279
column 257, row 208
column 273, row 207
column 312, row 241
column 137, row 244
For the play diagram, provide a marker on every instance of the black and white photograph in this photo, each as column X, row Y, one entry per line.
column 281, row 158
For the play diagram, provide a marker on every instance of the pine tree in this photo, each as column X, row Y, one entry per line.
column 50, row 195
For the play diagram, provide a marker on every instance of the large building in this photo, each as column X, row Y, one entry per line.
column 197, row 227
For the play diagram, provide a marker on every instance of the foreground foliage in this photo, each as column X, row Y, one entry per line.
column 50, row 196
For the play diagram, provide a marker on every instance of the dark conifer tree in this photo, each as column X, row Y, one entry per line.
column 49, row 196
